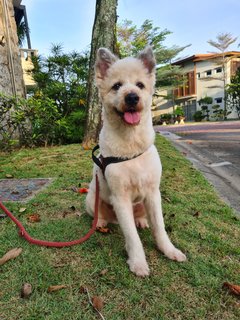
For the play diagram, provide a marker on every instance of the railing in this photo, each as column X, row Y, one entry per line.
column 28, row 53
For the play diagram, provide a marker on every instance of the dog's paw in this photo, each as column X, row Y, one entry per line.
column 175, row 254
column 141, row 223
column 140, row 269
column 102, row 223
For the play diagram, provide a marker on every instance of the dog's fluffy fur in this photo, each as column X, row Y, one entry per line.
column 129, row 191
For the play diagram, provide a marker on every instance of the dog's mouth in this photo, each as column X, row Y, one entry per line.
column 131, row 117
column 131, row 109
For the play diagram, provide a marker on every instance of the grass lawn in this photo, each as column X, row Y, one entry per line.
column 198, row 222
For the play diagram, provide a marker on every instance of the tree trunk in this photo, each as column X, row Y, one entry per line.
column 11, row 73
column 103, row 35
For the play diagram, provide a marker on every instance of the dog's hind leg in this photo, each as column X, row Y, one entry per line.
column 140, row 216
column 124, row 212
column 154, row 208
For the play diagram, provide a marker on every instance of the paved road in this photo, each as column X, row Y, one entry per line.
column 214, row 148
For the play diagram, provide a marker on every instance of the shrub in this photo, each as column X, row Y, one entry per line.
column 178, row 112
column 37, row 122
column 75, row 123
column 198, row 116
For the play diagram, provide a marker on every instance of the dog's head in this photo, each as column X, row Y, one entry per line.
column 126, row 86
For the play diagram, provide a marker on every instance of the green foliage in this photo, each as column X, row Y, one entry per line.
column 204, row 102
column 22, row 31
column 132, row 39
column 178, row 112
column 30, row 122
column 224, row 40
column 37, row 122
column 75, row 124
column 62, row 78
column 233, row 93
column 218, row 112
column 198, row 116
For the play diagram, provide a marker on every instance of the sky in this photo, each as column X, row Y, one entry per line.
column 194, row 22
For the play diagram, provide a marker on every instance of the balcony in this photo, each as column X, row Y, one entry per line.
column 27, row 66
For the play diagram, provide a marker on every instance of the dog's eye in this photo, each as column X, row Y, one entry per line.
column 117, row 86
column 140, row 85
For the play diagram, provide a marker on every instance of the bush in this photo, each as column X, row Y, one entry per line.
column 178, row 112
column 37, row 122
column 75, row 123
column 198, row 116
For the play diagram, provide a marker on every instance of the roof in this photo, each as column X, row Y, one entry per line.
column 206, row 56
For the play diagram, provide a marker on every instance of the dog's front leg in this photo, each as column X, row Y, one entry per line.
column 154, row 210
column 136, row 256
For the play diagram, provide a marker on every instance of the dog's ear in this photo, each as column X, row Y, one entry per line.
column 147, row 58
column 104, row 60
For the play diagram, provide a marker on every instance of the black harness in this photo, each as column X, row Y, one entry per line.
column 103, row 162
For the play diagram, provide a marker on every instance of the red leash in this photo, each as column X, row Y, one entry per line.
column 25, row 234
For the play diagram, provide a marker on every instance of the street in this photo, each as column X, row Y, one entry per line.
column 213, row 148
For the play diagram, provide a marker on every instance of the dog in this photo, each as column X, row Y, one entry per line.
column 129, row 168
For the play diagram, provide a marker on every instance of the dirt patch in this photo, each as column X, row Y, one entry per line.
column 21, row 189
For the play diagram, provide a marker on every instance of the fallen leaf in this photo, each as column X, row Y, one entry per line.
column 21, row 210
column 103, row 272
column 196, row 214
column 12, row 254
column 97, row 303
column 83, row 289
column 233, row 288
column 35, row 204
column 9, row 176
column 26, row 290
column 74, row 189
column 167, row 199
column 79, row 214
column 86, row 146
column 104, row 230
column 34, row 218
column 56, row 288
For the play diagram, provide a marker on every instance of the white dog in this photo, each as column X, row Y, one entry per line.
column 130, row 171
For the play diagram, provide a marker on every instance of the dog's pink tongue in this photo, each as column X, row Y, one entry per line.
column 132, row 117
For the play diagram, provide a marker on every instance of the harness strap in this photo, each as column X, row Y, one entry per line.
column 103, row 162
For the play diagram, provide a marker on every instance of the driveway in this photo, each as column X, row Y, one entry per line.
column 213, row 148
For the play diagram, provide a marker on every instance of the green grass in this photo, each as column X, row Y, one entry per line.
column 191, row 290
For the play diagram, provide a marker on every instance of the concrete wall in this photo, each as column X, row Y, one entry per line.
column 212, row 85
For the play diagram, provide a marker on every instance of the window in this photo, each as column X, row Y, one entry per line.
column 219, row 100
column 218, row 70
column 198, row 75
column 208, row 73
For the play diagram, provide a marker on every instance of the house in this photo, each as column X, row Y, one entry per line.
column 205, row 75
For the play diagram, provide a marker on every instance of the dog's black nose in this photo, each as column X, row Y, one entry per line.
column 131, row 99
